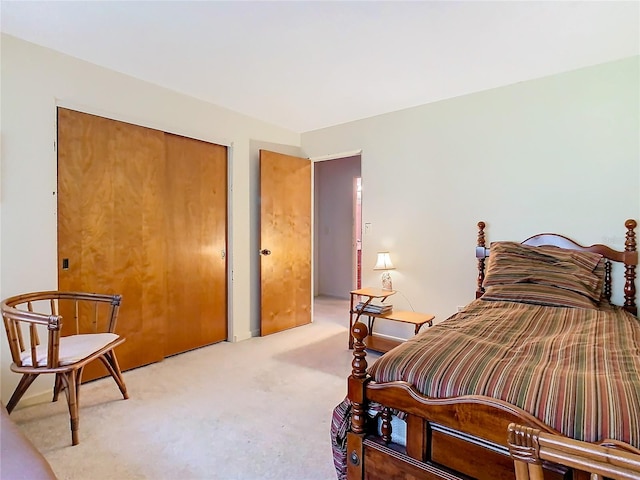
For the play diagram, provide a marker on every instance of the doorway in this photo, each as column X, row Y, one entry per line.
column 357, row 233
column 337, row 226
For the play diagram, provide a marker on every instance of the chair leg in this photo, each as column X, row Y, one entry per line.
column 71, row 383
column 111, row 363
column 535, row 471
column 78, row 382
column 522, row 470
column 57, row 387
column 24, row 383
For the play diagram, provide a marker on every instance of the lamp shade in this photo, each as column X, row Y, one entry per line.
column 384, row 262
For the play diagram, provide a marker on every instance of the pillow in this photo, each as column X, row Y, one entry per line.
column 569, row 272
column 537, row 295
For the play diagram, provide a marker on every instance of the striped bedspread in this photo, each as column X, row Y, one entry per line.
column 576, row 369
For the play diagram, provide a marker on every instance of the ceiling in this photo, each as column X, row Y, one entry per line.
column 305, row 65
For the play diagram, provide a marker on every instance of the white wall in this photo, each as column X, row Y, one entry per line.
column 556, row 154
column 334, row 225
column 34, row 81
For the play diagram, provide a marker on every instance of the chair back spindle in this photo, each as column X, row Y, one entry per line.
column 35, row 330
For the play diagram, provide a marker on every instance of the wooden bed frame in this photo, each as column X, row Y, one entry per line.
column 454, row 438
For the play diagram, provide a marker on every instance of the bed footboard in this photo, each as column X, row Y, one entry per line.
column 458, row 438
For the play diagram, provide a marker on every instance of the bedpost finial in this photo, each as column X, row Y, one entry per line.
column 359, row 362
column 480, row 244
column 630, row 245
column 480, row 241
column 630, row 240
column 360, row 331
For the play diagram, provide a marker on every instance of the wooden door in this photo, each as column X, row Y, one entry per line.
column 110, row 191
column 196, row 212
column 143, row 213
column 285, row 232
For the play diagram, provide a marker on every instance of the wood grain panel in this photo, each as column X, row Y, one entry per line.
column 138, row 154
column 196, row 216
column 143, row 213
column 285, row 230
column 104, row 181
column 470, row 458
column 383, row 463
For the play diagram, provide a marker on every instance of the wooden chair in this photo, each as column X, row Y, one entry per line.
column 89, row 337
column 529, row 447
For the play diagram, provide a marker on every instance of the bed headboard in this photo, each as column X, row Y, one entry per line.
column 629, row 257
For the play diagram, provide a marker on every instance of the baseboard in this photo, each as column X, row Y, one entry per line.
column 244, row 336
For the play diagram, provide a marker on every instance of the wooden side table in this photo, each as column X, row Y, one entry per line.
column 376, row 342
column 370, row 294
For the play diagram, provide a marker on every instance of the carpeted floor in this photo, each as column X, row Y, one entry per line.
column 258, row 409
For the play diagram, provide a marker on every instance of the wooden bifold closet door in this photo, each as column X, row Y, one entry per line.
column 143, row 213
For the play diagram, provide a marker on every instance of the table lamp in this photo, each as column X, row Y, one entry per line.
column 384, row 263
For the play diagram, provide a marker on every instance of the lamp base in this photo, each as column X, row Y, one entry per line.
column 386, row 281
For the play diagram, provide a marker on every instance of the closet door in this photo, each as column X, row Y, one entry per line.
column 143, row 213
column 196, row 215
column 110, row 226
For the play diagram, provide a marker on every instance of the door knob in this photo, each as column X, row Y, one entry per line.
column 265, row 251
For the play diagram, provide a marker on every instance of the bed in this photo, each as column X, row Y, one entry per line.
column 541, row 346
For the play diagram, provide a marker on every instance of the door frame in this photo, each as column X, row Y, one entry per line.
column 322, row 158
column 118, row 116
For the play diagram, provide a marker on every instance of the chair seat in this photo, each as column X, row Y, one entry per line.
column 72, row 348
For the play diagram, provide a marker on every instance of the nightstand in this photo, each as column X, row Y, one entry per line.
column 376, row 342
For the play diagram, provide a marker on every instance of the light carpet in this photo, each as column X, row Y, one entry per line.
column 257, row 409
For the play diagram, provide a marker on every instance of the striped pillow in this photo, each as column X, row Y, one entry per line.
column 544, row 275
column 538, row 295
